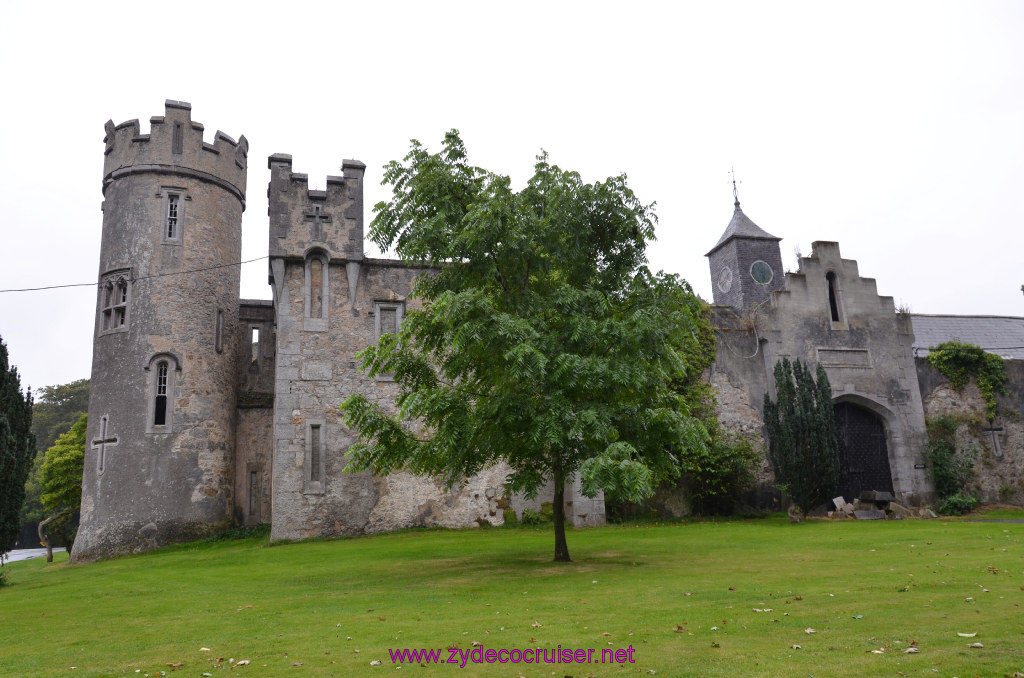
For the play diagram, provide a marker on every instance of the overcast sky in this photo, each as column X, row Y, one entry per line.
column 895, row 128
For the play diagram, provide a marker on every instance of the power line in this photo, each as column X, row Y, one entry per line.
column 145, row 277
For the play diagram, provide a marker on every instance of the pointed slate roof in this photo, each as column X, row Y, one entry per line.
column 742, row 227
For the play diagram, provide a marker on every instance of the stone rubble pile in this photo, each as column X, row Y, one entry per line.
column 876, row 505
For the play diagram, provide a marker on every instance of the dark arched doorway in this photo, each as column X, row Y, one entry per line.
column 863, row 455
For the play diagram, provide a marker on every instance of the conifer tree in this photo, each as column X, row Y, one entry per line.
column 17, row 448
column 802, row 444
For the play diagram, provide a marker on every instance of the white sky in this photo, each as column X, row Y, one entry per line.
column 895, row 128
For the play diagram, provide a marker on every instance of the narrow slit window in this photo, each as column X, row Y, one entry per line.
column 179, row 139
column 254, row 494
column 121, row 305
column 316, row 293
column 255, row 345
column 314, row 453
column 218, row 342
column 316, row 283
column 172, row 216
column 833, row 296
column 160, row 402
column 108, row 305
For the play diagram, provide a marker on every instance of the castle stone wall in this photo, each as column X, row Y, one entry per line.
column 867, row 353
column 150, row 481
column 997, row 447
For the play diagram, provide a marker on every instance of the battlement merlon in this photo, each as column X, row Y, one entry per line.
column 301, row 217
column 175, row 145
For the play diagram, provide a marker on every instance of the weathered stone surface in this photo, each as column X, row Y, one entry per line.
column 174, row 475
column 998, row 446
column 869, row 515
column 876, row 496
column 864, row 345
column 898, row 511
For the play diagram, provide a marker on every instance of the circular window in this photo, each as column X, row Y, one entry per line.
column 761, row 272
column 725, row 279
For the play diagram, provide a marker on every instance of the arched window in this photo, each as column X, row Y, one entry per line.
column 114, row 294
column 162, row 370
column 315, row 292
column 160, row 400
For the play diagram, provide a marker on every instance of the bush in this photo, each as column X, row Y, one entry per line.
column 718, row 474
column 951, row 471
column 510, row 517
column 531, row 517
column 958, row 504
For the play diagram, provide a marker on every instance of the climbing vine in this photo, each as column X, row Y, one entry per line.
column 958, row 362
column 952, row 470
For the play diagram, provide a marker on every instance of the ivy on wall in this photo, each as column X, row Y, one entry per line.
column 958, row 362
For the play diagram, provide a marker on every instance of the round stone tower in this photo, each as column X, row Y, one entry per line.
column 160, row 447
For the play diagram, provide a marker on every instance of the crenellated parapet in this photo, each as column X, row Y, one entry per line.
column 175, row 145
column 302, row 219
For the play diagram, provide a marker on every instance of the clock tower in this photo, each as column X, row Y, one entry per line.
column 746, row 264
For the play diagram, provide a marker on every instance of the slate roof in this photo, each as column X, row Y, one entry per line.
column 742, row 227
column 997, row 334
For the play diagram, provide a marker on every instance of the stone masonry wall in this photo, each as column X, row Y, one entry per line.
column 999, row 454
column 148, row 483
column 867, row 353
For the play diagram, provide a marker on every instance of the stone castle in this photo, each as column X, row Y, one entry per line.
column 207, row 410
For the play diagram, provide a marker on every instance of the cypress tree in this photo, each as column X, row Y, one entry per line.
column 17, row 448
column 802, row 444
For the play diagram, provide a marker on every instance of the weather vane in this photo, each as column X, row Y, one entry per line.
column 735, row 193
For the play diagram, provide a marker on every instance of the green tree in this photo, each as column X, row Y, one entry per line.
column 61, row 481
column 55, row 410
column 802, row 444
column 16, row 449
column 543, row 340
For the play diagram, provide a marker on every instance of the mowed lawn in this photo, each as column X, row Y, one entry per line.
column 724, row 598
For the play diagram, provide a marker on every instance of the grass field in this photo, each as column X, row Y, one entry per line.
column 727, row 598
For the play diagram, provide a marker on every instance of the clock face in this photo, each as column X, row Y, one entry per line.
column 725, row 279
column 761, row 272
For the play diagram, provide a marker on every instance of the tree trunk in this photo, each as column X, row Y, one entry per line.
column 558, row 510
column 45, row 540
